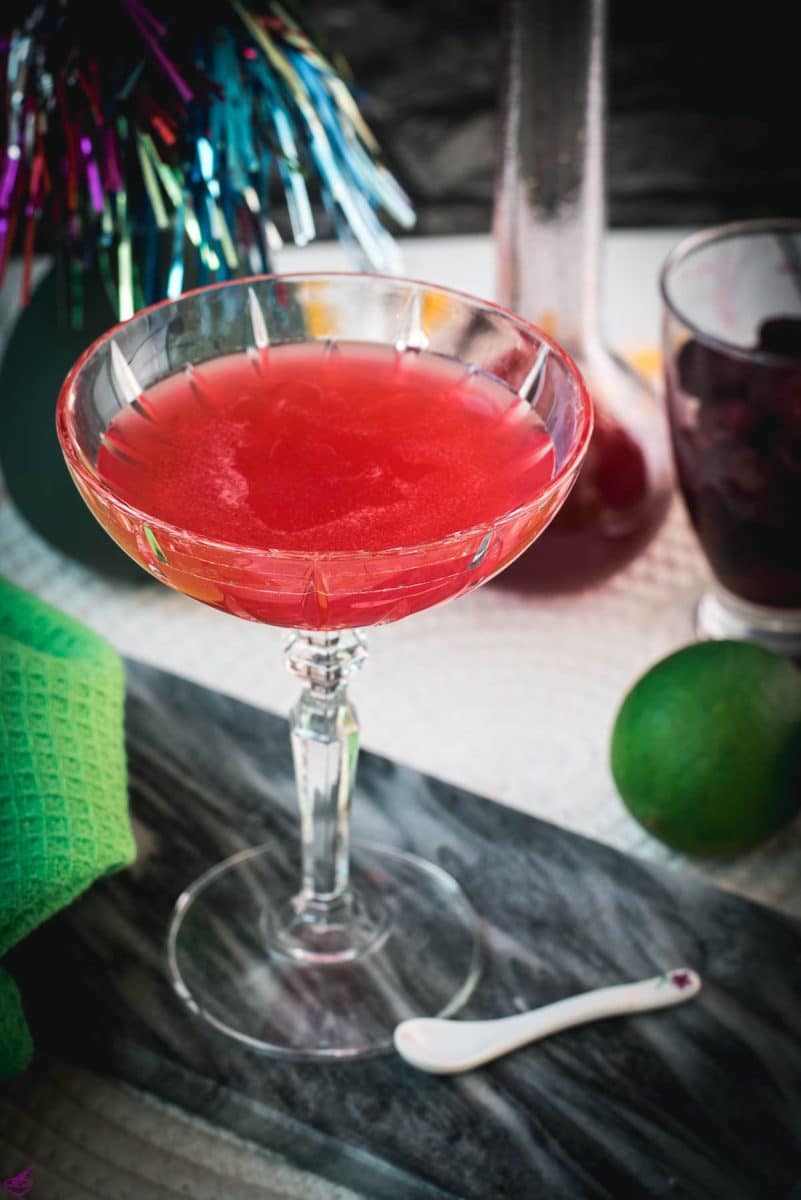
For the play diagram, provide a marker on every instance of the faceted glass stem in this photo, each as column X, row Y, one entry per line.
column 324, row 731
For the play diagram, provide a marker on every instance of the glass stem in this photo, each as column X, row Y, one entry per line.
column 325, row 746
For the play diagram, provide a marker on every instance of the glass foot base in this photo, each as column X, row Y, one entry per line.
column 410, row 947
column 721, row 615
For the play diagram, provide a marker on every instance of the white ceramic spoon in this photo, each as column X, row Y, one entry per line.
column 446, row 1047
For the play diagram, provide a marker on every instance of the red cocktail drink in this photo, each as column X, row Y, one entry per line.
column 323, row 453
column 321, row 450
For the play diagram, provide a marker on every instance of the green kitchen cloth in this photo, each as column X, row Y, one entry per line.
column 63, row 789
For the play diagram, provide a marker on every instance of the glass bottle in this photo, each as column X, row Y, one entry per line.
column 548, row 227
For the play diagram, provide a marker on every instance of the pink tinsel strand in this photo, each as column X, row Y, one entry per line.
column 149, row 18
column 179, row 83
column 10, row 176
column 92, row 175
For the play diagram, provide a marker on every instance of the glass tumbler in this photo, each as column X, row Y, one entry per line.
column 732, row 353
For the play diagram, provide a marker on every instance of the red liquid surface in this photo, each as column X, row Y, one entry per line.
column 305, row 452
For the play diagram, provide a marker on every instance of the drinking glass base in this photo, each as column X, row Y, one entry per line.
column 414, row 951
column 721, row 615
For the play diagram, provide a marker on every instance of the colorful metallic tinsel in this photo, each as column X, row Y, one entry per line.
column 150, row 146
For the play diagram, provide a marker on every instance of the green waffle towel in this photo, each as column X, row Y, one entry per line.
column 63, row 793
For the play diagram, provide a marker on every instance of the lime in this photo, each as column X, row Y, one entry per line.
column 706, row 748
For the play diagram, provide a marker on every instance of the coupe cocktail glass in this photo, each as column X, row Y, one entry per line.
column 323, row 453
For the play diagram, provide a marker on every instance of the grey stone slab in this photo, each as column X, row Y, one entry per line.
column 701, row 1101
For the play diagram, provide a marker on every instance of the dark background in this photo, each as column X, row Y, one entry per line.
column 704, row 105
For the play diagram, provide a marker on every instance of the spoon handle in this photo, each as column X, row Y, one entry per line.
column 648, row 994
column 445, row 1047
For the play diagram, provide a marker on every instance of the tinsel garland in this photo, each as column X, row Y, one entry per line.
column 153, row 145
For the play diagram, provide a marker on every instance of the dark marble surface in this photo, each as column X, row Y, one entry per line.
column 701, row 1101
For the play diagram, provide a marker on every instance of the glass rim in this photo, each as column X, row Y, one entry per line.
column 77, row 459
column 699, row 240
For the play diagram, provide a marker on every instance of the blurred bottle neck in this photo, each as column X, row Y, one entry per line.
column 550, row 197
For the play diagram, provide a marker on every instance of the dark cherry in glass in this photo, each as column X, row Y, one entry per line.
column 739, row 461
column 733, row 389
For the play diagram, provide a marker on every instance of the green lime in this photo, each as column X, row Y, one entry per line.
column 706, row 748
